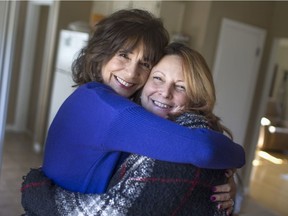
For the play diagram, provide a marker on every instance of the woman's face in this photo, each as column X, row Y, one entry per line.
column 165, row 91
column 126, row 72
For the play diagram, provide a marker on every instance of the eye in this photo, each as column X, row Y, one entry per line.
column 124, row 55
column 146, row 65
column 181, row 88
column 157, row 78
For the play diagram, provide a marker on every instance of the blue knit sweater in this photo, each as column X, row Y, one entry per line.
column 94, row 125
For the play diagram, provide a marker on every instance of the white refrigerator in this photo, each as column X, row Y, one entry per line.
column 70, row 44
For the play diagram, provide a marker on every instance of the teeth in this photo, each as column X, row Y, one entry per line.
column 123, row 82
column 165, row 106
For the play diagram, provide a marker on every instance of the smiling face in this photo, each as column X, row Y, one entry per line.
column 127, row 71
column 165, row 90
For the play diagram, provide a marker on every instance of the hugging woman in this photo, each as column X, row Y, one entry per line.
column 99, row 122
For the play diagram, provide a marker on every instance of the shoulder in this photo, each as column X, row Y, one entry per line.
column 192, row 120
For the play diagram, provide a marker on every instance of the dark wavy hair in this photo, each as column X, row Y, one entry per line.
column 122, row 29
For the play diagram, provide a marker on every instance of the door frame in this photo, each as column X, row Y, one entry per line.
column 8, row 25
column 46, row 74
column 27, row 62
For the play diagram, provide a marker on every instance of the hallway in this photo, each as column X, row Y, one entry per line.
column 269, row 183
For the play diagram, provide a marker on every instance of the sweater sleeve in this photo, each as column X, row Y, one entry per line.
column 98, row 117
column 164, row 140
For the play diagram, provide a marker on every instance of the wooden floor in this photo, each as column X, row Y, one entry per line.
column 269, row 181
column 18, row 157
column 269, row 184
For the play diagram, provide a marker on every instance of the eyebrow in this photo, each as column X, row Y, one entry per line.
column 145, row 59
column 125, row 50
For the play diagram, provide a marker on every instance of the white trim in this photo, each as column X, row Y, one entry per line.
column 26, row 70
column 27, row 62
column 8, row 24
column 42, row 2
column 46, row 73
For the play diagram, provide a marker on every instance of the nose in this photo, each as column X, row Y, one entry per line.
column 132, row 69
column 167, row 91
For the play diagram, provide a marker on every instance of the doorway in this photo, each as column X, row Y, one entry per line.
column 29, row 103
column 8, row 25
column 269, row 175
column 16, row 152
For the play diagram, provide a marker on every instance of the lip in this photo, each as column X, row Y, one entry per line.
column 161, row 105
column 123, row 83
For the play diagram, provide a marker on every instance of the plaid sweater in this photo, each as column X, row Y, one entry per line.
column 141, row 186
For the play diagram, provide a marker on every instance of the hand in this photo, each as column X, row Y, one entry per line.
column 225, row 194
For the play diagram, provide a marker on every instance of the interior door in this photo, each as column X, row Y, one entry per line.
column 235, row 73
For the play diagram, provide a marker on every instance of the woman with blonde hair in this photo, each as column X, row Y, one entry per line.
column 201, row 90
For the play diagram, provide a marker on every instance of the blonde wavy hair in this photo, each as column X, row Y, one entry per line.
column 199, row 84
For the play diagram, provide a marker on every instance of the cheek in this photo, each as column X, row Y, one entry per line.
column 182, row 100
column 146, row 92
column 148, row 89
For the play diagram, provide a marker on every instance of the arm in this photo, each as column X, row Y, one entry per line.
column 127, row 192
column 95, row 115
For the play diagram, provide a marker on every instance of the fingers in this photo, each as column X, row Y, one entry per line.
column 225, row 188
column 229, row 211
column 223, row 197
column 230, row 172
column 225, row 193
column 227, row 206
column 233, row 187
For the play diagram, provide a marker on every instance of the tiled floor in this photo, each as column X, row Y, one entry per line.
column 18, row 157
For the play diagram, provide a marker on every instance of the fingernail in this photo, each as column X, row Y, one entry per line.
column 212, row 198
column 214, row 189
column 219, row 206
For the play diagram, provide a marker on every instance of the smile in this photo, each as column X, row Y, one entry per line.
column 123, row 82
column 161, row 105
